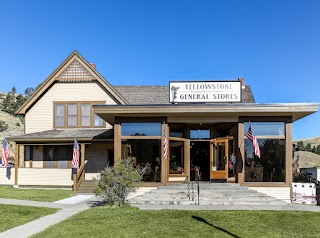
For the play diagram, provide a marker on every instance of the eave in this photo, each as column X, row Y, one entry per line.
column 294, row 110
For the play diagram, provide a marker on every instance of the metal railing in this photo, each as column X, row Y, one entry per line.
column 191, row 187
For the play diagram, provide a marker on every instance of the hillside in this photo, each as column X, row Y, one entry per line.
column 307, row 159
column 312, row 141
column 15, row 126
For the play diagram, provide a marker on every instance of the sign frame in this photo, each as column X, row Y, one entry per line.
column 233, row 96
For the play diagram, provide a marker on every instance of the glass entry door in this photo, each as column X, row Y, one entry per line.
column 219, row 159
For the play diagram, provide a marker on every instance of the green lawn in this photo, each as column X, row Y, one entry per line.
column 130, row 222
column 13, row 215
column 43, row 195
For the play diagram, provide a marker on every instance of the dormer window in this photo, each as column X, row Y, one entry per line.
column 76, row 115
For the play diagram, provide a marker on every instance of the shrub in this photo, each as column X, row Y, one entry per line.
column 18, row 124
column 116, row 182
column 3, row 126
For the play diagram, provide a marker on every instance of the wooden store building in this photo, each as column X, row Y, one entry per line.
column 204, row 122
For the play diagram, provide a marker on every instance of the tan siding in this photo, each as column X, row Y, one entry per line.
column 40, row 116
column 7, row 178
column 90, row 176
column 54, row 177
column 96, row 158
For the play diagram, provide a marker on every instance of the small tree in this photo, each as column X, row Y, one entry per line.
column 3, row 126
column 115, row 183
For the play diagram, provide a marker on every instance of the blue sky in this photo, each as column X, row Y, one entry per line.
column 274, row 45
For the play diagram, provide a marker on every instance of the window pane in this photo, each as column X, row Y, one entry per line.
column 176, row 156
column 141, row 129
column 86, row 109
column 72, row 121
column 266, row 128
column 146, row 155
column 98, row 121
column 59, row 122
column 72, row 109
column 85, row 115
column 199, row 134
column 59, row 115
column 59, row 109
column 86, row 121
column 271, row 166
column 72, row 115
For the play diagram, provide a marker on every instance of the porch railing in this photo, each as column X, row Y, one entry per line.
column 78, row 178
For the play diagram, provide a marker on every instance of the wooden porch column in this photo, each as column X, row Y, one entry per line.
column 240, row 153
column 83, row 155
column 117, row 142
column 164, row 162
column 289, row 155
column 16, row 164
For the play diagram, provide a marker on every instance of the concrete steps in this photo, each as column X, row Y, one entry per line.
column 210, row 194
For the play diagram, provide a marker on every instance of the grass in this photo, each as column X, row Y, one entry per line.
column 42, row 195
column 13, row 215
column 131, row 222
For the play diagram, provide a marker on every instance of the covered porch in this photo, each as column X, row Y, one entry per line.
column 44, row 159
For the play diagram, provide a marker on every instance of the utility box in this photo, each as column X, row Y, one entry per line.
column 304, row 193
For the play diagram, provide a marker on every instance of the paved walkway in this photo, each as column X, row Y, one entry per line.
column 69, row 207
column 73, row 205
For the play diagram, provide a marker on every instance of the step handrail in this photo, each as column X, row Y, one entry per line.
column 78, row 178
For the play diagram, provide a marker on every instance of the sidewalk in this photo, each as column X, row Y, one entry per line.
column 69, row 208
column 73, row 205
column 289, row 207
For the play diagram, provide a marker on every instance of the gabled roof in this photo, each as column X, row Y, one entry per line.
column 160, row 94
column 73, row 69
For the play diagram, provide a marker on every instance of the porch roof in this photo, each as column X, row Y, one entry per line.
column 82, row 135
column 204, row 111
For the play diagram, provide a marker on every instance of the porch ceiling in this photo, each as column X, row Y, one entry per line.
column 235, row 110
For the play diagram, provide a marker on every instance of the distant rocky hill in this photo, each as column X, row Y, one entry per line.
column 307, row 159
column 14, row 125
column 313, row 141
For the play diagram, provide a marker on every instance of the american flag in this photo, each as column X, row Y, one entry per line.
column 165, row 142
column 5, row 153
column 254, row 140
column 76, row 154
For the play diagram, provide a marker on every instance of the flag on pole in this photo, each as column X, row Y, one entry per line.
column 76, row 154
column 165, row 142
column 254, row 140
column 5, row 153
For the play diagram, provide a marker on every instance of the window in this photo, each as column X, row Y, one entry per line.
column 145, row 154
column 199, row 134
column 86, row 115
column 76, row 114
column 271, row 166
column 141, row 129
column 72, row 115
column 59, row 115
column 57, row 156
column 98, row 121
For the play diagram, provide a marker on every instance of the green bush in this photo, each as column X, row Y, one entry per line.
column 116, row 182
column 3, row 126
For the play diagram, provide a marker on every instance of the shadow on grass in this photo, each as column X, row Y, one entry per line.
column 219, row 228
column 96, row 203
